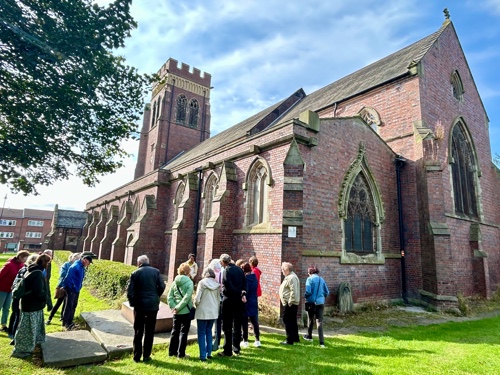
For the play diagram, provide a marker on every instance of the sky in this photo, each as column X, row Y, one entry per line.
column 259, row 52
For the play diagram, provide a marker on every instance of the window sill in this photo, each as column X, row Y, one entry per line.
column 351, row 258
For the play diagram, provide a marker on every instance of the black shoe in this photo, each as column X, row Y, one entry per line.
column 48, row 322
column 147, row 359
column 137, row 360
column 307, row 338
column 286, row 343
column 4, row 329
column 222, row 354
column 13, row 342
column 209, row 357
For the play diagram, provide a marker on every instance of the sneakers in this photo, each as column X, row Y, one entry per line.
column 244, row 344
column 256, row 344
column 307, row 338
column 322, row 346
column 47, row 322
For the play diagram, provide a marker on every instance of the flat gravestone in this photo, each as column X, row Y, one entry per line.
column 72, row 348
column 164, row 319
column 114, row 332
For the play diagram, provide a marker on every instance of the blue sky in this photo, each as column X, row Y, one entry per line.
column 259, row 52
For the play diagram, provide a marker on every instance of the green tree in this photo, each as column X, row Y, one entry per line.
column 66, row 102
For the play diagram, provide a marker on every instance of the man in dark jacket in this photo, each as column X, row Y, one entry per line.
column 234, row 287
column 143, row 292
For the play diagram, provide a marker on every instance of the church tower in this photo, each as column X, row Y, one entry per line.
column 178, row 117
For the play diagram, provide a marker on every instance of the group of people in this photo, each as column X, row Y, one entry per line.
column 26, row 324
column 225, row 298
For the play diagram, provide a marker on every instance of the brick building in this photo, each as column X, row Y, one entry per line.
column 383, row 179
column 66, row 232
column 23, row 229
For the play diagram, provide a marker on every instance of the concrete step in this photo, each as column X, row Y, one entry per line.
column 109, row 335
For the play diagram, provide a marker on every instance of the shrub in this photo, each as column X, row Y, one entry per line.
column 108, row 278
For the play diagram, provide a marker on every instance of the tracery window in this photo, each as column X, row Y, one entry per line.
column 193, row 113
column 457, row 86
column 464, row 172
column 210, row 191
column 181, row 109
column 359, row 223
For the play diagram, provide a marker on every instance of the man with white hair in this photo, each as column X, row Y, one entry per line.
column 290, row 298
column 143, row 292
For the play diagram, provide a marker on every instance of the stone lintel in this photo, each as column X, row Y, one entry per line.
column 438, row 297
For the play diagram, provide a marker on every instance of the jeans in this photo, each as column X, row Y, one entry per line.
column 318, row 313
column 205, row 337
column 290, row 321
column 144, row 324
column 5, row 301
column 179, row 335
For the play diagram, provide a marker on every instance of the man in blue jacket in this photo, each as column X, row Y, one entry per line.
column 72, row 284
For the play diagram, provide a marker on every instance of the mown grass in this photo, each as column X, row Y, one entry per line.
column 471, row 347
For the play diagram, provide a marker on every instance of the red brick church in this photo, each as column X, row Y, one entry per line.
column 383, row 179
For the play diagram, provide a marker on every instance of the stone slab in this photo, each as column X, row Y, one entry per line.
column 164, row 319
column 115, row 333
column 72, row 348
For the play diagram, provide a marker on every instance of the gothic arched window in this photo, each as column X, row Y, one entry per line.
column 180, row 116
column 178, row 199
column 193, row 113
column 210, row 191
column 257, row 191
column 359, row 223
column 153, row 115
column 464, row 171
column 457, row 86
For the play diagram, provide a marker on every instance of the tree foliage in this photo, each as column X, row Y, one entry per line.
column 66, row 102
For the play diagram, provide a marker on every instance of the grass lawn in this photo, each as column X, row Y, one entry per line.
column 471, row 347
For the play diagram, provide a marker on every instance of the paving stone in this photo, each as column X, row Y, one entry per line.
column 72, row 348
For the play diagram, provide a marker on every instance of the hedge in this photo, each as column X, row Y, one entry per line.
column 107, row 277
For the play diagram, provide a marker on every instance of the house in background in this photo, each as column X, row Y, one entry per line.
column 384, row 179
column 23, row 229
column 66, row 230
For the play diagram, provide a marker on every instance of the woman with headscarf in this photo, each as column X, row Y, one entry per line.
column 179, row 300
column 7, row 275
column 219, row 276
column 207, row 302
column 31, row 329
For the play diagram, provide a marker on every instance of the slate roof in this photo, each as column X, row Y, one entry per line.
column 71, row 219
column 385, row 70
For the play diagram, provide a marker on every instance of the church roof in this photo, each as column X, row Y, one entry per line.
column 71, row 219
column 382, row 71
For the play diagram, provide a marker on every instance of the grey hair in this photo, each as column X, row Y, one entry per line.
column 141, row 259
column 208, row 272
column 287, row 266
column 226, row 258
column 31, row 259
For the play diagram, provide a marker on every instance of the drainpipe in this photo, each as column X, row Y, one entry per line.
column 400, row 162
column 197, row 214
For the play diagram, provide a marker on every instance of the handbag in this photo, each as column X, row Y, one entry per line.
column 192, row 309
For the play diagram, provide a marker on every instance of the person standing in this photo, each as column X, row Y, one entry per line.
column 72, row 284
column 31, row 329
column 207, row 302
column 254, row 262
column 60, row 296
column 179, row 300
column 218, row 270
column 316, row 292
column 193, row 267
column 15, row 311
column 251, row 307
column 290, row 297
column 47, row 274
column 234, row 297
column 7, row 275
column 143, row 292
